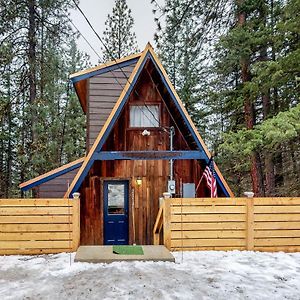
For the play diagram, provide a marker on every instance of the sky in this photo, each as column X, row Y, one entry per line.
column 97, row 11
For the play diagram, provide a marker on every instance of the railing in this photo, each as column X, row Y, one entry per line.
column 261, row 224
column 158, row 226
column 36, row 226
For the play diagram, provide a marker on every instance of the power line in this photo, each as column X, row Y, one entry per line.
column 115, row 78
column 83, row 37
column 101, row 60
column 113, row 58
column 157, row 5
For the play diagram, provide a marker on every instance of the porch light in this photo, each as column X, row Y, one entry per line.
column 139, row 181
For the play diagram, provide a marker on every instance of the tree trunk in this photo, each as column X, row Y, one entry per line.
column 32, row 43
column 32, row 64
column 2, row 161
column 266, row 103
column 256, row 170
column 9, row 145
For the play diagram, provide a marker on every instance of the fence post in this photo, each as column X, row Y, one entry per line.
column 250, row 224
column 167, row 222
column 76, row 221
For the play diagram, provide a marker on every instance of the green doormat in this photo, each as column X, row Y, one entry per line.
column 128, row 250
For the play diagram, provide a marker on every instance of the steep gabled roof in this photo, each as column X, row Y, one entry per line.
column 79, row 79
column 51, row 174
column 148, row 53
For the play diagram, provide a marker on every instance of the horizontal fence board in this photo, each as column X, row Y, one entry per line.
column 36, row 219
column 36, row 251
column 278, row 248
column 276, row 201
column 19, row 211
column 210, row 248
column 208, row 234
column 34, row 244
column 276, row 217
column 279, row 209
column 208, row 218
column 35, row 236
column 208, row 201
column 276, row 233
column 208, row 226
column 36, row 202
column 208, row 242
column 276, row 225
column 34, row 227
column 277, row 242
column 195, row 209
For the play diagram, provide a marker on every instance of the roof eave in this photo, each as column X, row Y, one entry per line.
column 25, row 186
column 106, row 67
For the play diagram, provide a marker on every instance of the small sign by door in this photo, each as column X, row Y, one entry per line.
column 116, row 207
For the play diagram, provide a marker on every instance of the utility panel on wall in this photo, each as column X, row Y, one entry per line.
column 189, row 190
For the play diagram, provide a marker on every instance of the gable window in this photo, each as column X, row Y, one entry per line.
column 144, row 116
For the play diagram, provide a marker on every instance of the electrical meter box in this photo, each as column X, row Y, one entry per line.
column 171, row 186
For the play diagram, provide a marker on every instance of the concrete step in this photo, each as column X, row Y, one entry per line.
column 104, row 254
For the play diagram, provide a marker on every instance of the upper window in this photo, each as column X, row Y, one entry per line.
column 144, row 116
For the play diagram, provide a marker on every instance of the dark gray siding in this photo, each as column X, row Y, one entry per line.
column 57, row 187
column 103, row 93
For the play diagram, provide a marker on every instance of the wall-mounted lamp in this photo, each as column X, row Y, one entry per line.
column 139, row 181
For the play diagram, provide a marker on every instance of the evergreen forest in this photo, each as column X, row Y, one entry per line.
column 234, row 63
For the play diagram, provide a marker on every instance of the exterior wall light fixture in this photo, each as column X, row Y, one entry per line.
column 139, row 181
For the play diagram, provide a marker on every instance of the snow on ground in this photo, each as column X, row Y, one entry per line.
column 201, row 275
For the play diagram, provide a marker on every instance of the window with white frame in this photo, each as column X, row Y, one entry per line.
column 144, row 116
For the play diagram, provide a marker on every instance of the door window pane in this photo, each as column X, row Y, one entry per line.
column 144, row 116
column 116, row 199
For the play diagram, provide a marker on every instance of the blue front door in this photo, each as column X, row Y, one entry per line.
column 116, row 212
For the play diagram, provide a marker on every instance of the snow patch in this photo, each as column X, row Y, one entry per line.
column 200, row 275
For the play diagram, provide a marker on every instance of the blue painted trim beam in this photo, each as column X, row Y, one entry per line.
column 148, row 155
column 52, row 176
column 104, row 70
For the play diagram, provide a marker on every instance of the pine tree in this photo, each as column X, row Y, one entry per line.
column 118, row 36
column 259, row 44
column 180, row 54
column 38, row 53
column 248, row 82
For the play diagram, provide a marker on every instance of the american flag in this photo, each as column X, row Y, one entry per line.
column 209, row 174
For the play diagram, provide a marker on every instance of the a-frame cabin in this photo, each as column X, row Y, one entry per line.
column 140, row 143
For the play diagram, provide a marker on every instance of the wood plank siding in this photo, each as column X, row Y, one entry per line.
column 144, row 199
column 57, row 187
column 103, row 93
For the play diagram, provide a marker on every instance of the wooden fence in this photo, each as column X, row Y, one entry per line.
column 36, row 226
column 261, row 224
